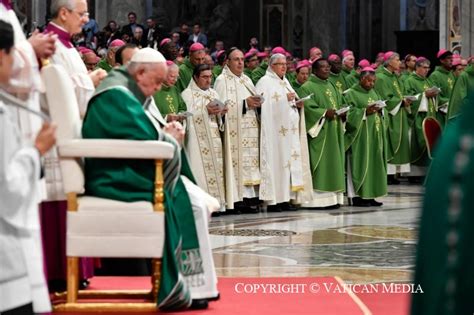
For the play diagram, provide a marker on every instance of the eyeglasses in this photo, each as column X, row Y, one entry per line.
column 280, row 64
column 81, row 14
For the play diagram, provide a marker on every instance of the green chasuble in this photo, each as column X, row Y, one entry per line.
column 247, row 72
column 464, row 83
column 422, row 108
column 339, row 81
column 404, row 76
column 295, row 84
column 290, row 76
column 216, row 71
column 345, row 72
column 352, row 79
column 398, row 143
column 169, row 100
column 185, row 75
column 443, row 79
column 115, row 111
column 103, row 64
column 259, row 72
column 325, row 137
column 365, row 139
column 445, row 255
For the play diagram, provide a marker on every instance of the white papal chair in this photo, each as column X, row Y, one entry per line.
column 98, row 227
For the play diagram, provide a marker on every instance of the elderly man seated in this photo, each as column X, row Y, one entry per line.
column 120, row 109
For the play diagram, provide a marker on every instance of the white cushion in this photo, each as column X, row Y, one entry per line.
column 89, row 203
column 118, row 234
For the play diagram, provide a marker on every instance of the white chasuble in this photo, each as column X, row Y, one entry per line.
column 203, row 143
column 283, row 159
column 242, row 172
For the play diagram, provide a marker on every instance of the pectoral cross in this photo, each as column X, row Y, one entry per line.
column 283, row 131
column 295, row 156
column 276, row 97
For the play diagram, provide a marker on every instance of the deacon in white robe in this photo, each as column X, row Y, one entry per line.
column 21, row 278
column 242, row 171
column 284, row 162
column 203, row 138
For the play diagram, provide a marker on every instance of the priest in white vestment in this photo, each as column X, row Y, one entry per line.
column 284, row 161
column 22, row 283
column 242, row 171
column 203, row 139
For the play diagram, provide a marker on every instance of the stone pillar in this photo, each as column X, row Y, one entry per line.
column 467, row 28
column 118, row 9
column 443, row 23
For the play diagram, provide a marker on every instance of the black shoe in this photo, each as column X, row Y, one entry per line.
column 273, row 208
column 251, row 209
column 286, row 206
column 415, row 179
column 216, row 214
column 199, row 304
column 391, row 180
column 359, row 202
column 375, row 203
column 232, row 211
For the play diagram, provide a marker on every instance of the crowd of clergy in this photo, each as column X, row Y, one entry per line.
column 258, row 131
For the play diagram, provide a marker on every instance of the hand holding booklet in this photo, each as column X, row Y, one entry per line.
column 307, row 97
column 185, row 114
column 343, row 110
column 433, row 89
column 412, row 98
column 378, row 104
column 216, row 102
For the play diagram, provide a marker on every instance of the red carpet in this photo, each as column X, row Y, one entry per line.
column 253, row 296
column 278, row 296
column 386, row 303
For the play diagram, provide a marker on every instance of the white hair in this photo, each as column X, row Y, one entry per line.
column 275, row 57
column 173, row 66
column 385, row 63
column 56, row 5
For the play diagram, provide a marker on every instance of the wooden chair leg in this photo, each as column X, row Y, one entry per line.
column 156, row 278
column 72, row 279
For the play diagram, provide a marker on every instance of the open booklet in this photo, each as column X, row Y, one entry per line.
column 343, row 110
column 307, row 97
column 185, row 114
column 378, row 104
column 216, row 102
column 412, row 98
column 433, row 89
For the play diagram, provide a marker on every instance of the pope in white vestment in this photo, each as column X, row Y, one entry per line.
column 284, row 163
column 242, row 171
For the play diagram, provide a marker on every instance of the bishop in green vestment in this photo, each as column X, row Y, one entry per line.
column 325, row 136
column 303, row 70
column 458, row 100
column 445, row 257
column 168, row 99
column 116, row 112
column 336, row 77
column 196, row 57
column 259, row 72
column 444, row 78
column 390, row 90
column 426, row 106
column 365, row 141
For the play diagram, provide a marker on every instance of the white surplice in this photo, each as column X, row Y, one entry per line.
column 21, row 265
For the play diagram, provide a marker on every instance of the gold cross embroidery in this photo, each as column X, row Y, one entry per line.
column 370, row 101
column 205, row 151
column 295, row 156
column 170, row 100
column 397, row 87
column 233, row 133
column 233, row 149
column 283, row 131
column 276, row 97
column 208, row 166
column 331, row 98
column 450, row 83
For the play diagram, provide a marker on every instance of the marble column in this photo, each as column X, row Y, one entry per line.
column 467, row 28
column 443, row 23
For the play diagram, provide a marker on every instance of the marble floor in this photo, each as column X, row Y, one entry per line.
column 360, row 245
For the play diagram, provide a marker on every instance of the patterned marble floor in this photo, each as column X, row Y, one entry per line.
column 360, row 245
